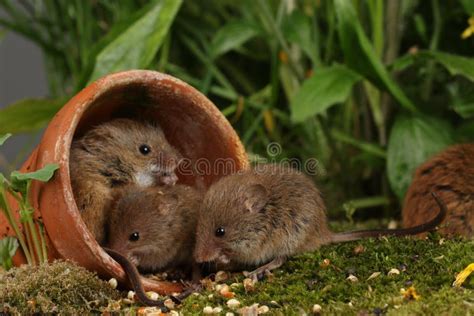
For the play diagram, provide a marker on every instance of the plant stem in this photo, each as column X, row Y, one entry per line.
column 428, row 84
column 34, row 232
column 16, row 229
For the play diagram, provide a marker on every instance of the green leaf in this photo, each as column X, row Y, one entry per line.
column 3, row 138
column 462, row 96
column 297, row 29
column 137, row 45
column 20, row 180
column 28, row 115
column 8, row 247
column 326, row 87
column 413, row 139
column 360, row 55
column 455, row 64
column 468, row 6
column 232, row 36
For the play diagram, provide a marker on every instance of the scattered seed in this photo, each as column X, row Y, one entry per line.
column 131, row 295
column 410, row 293
column 235, row 285
column 358, row 249
column 169, row 303
column 174, row 313
column 113, row 283
column 393, row 272
column 216, row 310
column 152, row 295
column 317, row 309
column 221, row 276
column 249, row 310
column 229, row 314
column 441, row 241
column 226, row 292
column 325, row 263
column 208, row 310
column 249, row 285
column 210, row 296
column 373, row 276
column 263, row 309
column 233, row 303
column 392, row 224
column 127, row 301
column 352, row 278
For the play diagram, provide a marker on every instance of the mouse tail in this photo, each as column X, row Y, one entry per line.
column 428, row 226
column 134, row 277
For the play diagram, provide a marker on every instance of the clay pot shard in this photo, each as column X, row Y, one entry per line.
column 191, row 123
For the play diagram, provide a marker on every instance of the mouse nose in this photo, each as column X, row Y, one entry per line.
column 169, row 178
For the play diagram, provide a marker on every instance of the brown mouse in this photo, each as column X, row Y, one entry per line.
column 154, row 227
column 266, row 214
column 113, row 154
column 450, row 174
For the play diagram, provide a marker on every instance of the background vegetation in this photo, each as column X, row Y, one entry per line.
column 370, row 88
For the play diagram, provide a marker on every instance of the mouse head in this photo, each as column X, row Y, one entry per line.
column 140, row 226
column 133, row 151
column 231, row 225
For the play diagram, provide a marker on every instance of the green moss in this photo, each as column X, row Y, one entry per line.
column 60, row 287
column 428, row 265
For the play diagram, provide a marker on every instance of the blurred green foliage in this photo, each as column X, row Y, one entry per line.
column 370, row 88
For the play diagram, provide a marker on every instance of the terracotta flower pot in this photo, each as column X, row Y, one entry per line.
column 190, row 121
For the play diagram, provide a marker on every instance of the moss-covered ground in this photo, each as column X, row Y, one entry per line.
column 428, row 266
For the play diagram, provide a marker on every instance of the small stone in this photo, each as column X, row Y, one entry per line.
column 216, row 310
column 263, row 309
column 208, row 310
column 152, row 295
column 113, row 283
column 221, row 276
column 373, row 276
column 131, row 295
column 352, row 278
column 393, row 272
column 233, row 303
column 317, row 309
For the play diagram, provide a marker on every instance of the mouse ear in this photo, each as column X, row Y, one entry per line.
column 168, row 203
column 93, row 139
column 256, row 198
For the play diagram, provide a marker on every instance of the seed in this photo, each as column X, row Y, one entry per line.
column 131, row 295
column 169, row 303
column 221, row 276
column 152, row 295
column 373, row 276
column 226, row 292
column 113, row 283
column 233, row 303
column 352, row 278
column 263, row 309
column 235, row 285
column 127, row 301
column 317, row 309
column 216, row 310
column 359, row 249
column 208, row 310
column 229, row 314
column 325, row 263
column 174, row 313
column 249, row 285
column 393, row 272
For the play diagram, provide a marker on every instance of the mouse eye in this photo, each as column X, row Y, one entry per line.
column 134, row 237
column 144, row 149
column 220, row 232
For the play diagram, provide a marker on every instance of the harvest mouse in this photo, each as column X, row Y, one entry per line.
column 154, row 227
column 113, row 154
column 264, row 215
column 451, row 175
